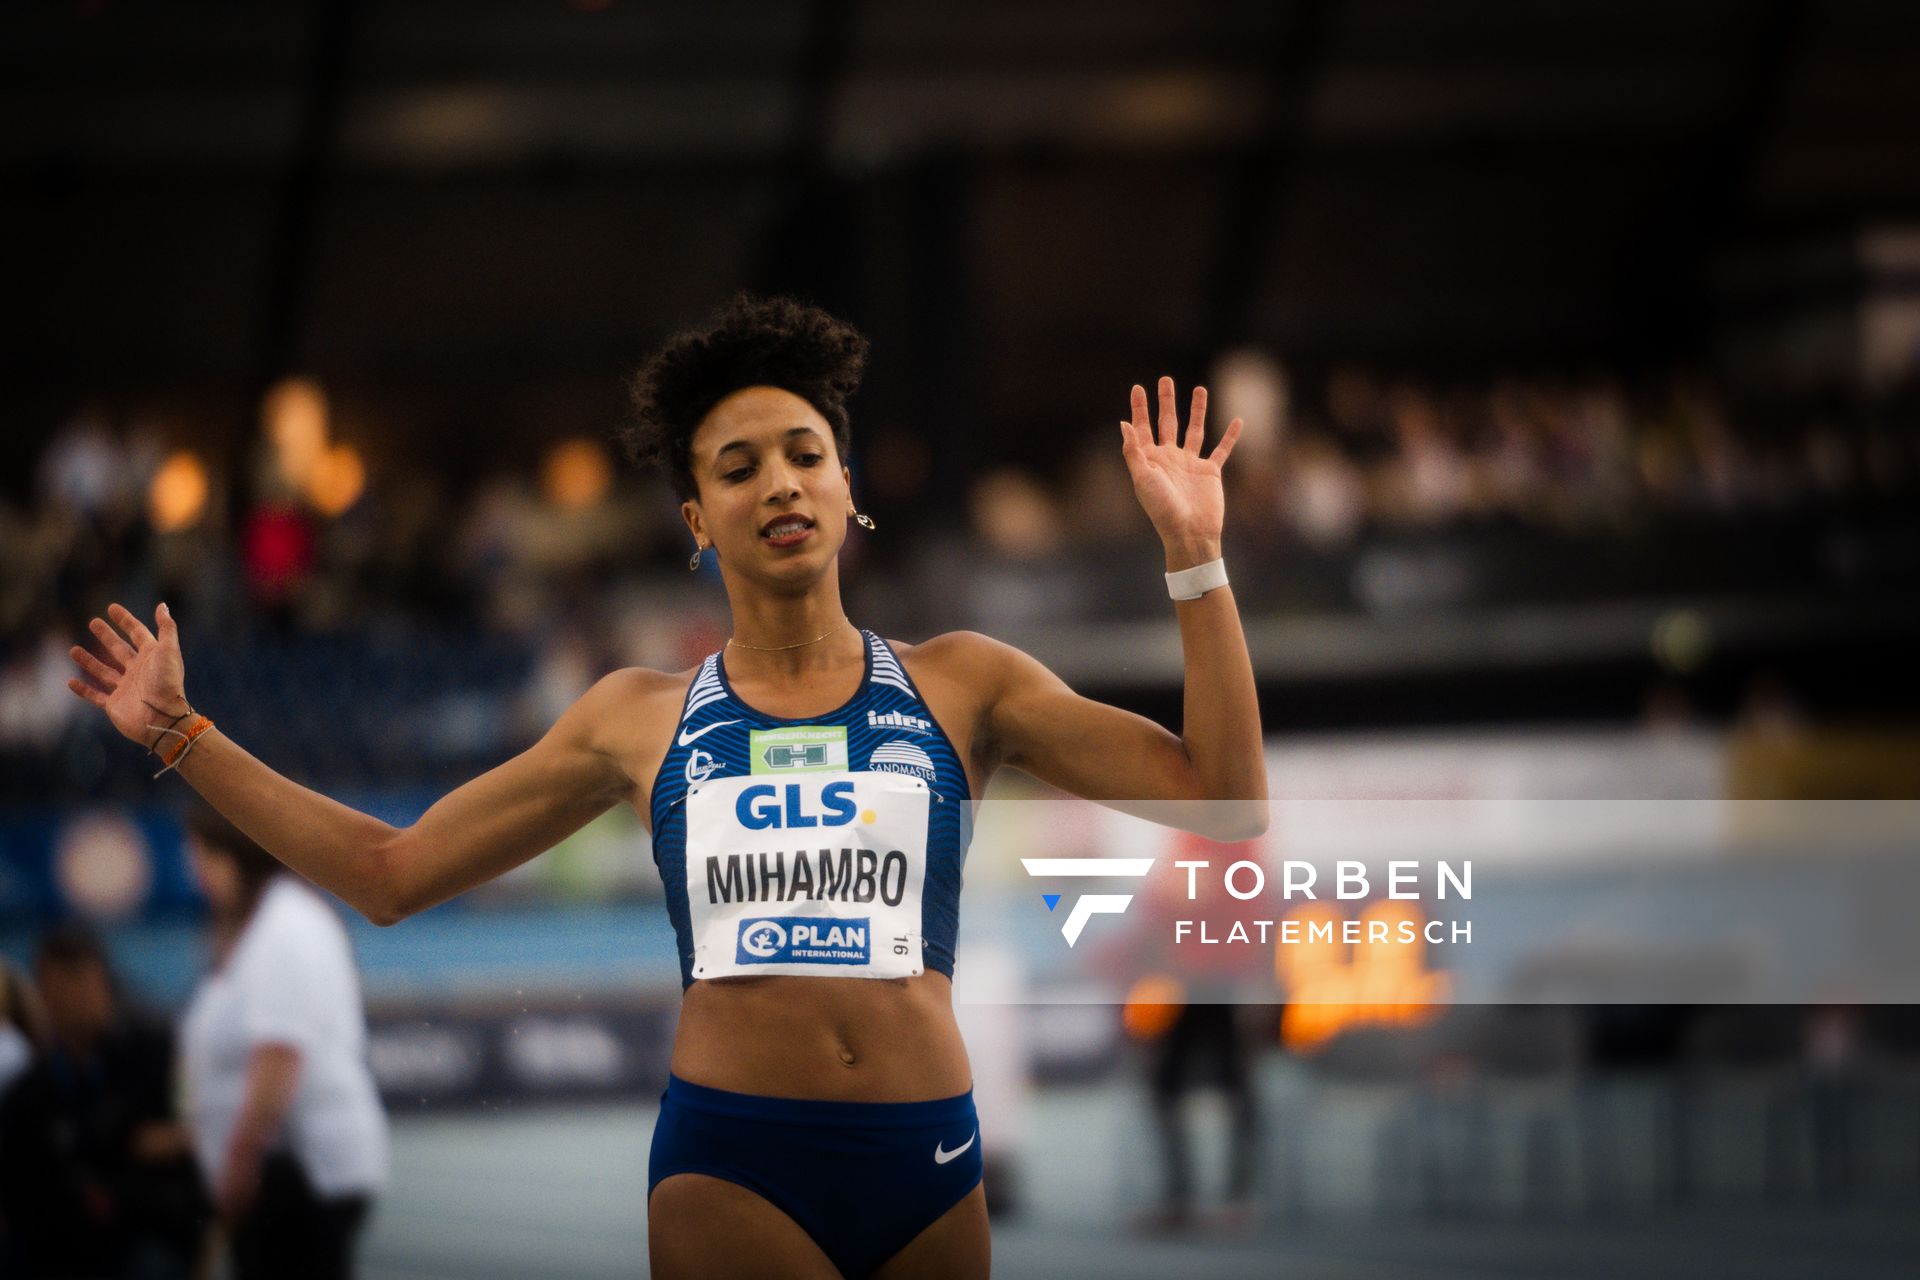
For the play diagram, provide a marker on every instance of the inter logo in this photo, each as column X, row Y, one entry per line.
column 898, row 720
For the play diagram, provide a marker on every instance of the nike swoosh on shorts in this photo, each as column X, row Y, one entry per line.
column 941, row 1155
column 686, row 738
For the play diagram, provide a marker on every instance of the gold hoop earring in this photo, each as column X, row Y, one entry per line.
column 862, row 519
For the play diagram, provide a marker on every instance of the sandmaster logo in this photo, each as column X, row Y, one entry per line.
column 1087, row 905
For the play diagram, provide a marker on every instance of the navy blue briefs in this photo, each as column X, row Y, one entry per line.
column 862, row 1178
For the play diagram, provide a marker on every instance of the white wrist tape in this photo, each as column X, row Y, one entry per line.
column 1191, row 584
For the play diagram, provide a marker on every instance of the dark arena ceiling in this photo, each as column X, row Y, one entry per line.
column 487, row 207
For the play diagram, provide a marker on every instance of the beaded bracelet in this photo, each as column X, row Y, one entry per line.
column 188, row 736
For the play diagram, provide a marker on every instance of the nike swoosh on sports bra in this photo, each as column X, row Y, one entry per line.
column 827, row 847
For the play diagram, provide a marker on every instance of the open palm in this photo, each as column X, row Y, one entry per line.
column 139, row 678
column 1180, row 490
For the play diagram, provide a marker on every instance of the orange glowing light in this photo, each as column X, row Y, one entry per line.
column 177, row 496
column 1153, row 1006
column 1318, row 953
column 1382, row 978
column 337, row 480
column 577, row 474
column 295, row 416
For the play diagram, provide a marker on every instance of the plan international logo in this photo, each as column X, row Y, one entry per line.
column 1087, row 905
column 790, row 939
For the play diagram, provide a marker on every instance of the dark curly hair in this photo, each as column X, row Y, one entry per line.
column 752, row 342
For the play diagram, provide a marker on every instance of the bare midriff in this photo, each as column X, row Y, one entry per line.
column 839, row 1039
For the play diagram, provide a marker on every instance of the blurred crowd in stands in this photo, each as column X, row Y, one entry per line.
column 1573, row 455
column 517, row 591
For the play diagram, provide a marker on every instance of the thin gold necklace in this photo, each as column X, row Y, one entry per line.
column 776, row 648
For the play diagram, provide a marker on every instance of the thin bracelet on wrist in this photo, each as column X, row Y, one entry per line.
column 162, row 730
column 188, row 736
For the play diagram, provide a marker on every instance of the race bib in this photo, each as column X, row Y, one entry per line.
column 814, row 873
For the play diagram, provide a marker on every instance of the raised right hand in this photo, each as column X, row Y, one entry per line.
column 141, row 681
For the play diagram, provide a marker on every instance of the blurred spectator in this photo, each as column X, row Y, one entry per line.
column 1356, row 411
column 1196, row 1028
column 1100, row 506
column 1015, row 515
column 285, row 1119
column 571, row 660
column 85, row 471
column 895, row 467
column 1426, row 480
column 1324, row 498
column 1769, row 710
column 95, row 1179
column 1834, row 1058
column 22, row 1036
column 1206, row 1045
column 35, row 707
column 1666, row 708
column 278, row 543
column 23, row 1026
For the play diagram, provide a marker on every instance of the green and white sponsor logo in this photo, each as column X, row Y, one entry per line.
column 802, row 749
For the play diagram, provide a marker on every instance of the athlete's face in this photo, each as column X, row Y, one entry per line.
column 773, row 493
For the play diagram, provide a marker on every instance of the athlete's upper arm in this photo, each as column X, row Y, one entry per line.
column 511, row 813
column 1035, row 723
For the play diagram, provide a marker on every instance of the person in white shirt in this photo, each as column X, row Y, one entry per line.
column 286, row 1121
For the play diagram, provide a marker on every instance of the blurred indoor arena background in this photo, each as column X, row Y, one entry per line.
column 1579, row 345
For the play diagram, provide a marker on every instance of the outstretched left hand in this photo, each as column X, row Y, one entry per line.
column 1180, row 490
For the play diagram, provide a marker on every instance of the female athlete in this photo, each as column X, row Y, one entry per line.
column 810, row 791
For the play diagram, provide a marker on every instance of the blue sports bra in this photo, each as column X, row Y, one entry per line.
column 828, row 847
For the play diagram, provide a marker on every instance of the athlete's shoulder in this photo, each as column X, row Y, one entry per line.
column 621, row 689
column 966, row 654
column 969, row 660
column 953, row 647
column 629, row 698
column 640, row 682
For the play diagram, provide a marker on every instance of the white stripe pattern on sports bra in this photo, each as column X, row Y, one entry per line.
column 706, row 686
column 886, row 667
column 902, row 753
